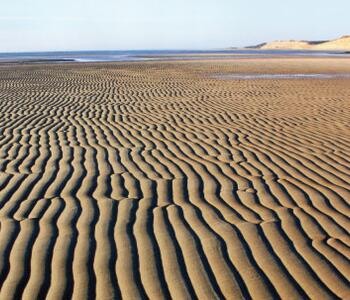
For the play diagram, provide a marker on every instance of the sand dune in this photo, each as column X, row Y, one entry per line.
column 340, row 44
column 156, row 180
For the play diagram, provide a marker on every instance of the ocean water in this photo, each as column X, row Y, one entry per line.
column 139, row 55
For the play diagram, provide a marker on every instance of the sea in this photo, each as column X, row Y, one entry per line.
column 143, row 55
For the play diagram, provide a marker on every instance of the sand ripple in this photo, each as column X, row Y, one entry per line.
column 153, row 180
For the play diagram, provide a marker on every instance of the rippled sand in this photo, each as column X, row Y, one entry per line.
column 156, row 180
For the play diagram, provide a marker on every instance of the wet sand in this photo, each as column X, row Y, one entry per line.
column 156, row 180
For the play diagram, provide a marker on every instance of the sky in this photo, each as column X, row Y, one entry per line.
column 62, row 25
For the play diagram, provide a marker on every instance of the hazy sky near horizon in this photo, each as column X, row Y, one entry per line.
column 50, row 25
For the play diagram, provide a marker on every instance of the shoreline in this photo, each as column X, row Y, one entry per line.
column 159, row 55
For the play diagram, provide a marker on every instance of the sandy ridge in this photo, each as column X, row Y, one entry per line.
column 340, row 44
column 154, row 180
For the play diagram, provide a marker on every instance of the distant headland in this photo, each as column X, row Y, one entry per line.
column 340, row 44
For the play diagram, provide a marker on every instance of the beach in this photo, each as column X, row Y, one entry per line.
column 175, row 180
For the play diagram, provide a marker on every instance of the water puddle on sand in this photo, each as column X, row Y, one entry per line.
column 280, row 76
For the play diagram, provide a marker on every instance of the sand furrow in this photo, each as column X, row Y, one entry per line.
column 156, row 180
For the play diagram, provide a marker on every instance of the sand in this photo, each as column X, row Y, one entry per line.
column 156, row 180
column 340, row 44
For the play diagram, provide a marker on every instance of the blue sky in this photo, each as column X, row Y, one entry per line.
column 49, row 25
